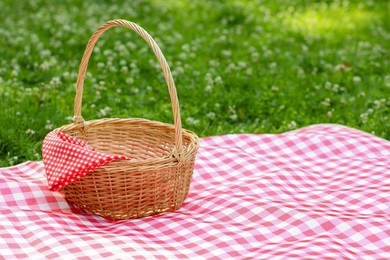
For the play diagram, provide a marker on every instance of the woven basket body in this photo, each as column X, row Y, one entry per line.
column 158, row 176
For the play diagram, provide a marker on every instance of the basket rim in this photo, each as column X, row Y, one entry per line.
column 186, row 153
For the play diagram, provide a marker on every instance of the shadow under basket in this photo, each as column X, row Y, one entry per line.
column 152, row 182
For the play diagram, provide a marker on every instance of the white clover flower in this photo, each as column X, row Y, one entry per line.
column 178, row 70
column 45, row 53
column 45, row 66
column 196, row 73
column 325, row 102
column 192, row 121
column 267, row 53
column 37, row 156
column 108, row 53
column 210, row 115
column 328, row 66
column 55, row 81
column 100, row 65
column 134, row 91
column 300, row 71
column 131, row 45
column 120, row 47
column 328, row 85
column 218, row 80
column 364, row 118
column 53, row 62
column 154, row 64
column 222, row 38
column 133, row 65
column 66, row 75
column 69, row 118
column 292, row 125
column 387, row 81
column 208, row 78
column 335, row 88
column 15, row 72
column 30, row 132
column 342, row 67
column 134, row 69
column 234, row 117
column 214, row 63
column 114, row 69
column 105, row 111
column 230, row 67
column 124, row 69
column 356, row 79
column 98, row 95
column 259, row 28
column 242, row 64
column 273, row 65
column 163, row 27
column 185, row 47
column 233, row 113
column 49, row 126
column 183, row 56
column 274, row 89
column 226, row 53
column 27, row 50
column 208, row 88
column 378, row 104
column 255, row 56
column 129, row 80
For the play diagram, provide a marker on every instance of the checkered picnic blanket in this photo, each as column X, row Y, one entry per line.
column 317, row 192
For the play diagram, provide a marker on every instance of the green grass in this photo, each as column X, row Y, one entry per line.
column 239, row 66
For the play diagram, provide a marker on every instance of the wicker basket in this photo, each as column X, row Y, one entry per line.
column 157, row 178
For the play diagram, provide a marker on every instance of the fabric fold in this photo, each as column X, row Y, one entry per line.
column 67, row 159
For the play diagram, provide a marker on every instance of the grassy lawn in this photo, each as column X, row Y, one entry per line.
column 240, row 66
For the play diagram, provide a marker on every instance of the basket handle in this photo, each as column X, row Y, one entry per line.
column 77, row 119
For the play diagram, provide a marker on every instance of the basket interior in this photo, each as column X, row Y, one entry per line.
column 134, row 139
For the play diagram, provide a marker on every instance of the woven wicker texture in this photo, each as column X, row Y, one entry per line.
column 158, row 177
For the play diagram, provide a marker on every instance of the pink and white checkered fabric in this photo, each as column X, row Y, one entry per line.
column 316, row 193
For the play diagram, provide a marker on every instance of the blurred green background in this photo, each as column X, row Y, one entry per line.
column 239, row 66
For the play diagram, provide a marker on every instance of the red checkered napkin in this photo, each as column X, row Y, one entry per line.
column 67, row 159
